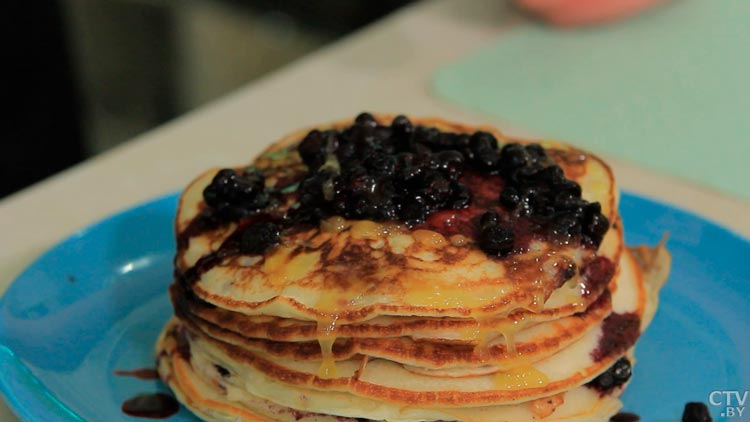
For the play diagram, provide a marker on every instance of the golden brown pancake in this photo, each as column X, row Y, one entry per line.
column 421, row 266
column 248, row 367
column 529, row 344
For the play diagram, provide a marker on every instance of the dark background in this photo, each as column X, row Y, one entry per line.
column 85, row 75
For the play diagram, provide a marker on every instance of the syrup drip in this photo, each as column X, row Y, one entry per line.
column 140, row 373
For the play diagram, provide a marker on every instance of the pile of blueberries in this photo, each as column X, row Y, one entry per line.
column 396, row 172
column 405, row 172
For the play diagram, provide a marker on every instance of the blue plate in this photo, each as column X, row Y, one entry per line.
column 95, row 303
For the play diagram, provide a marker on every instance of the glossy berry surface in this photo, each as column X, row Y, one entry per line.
column 395, row 172
column 615, row 376
column 496, row 240
column 259, row 237
column 235, row 194
column 536, row 188
column 696, row 412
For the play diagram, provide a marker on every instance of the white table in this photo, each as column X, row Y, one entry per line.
column 384, row 68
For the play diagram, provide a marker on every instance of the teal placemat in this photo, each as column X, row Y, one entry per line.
column 669, row 89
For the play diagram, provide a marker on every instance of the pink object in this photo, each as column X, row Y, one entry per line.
column 585, row 12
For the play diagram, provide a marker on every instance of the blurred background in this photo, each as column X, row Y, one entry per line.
column 85, row 75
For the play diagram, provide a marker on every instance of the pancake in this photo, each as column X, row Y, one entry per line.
column 446, row 329
column 388, row 380
column 375, row 270
column 291, row 280
column 206, row 394
column 529, row 344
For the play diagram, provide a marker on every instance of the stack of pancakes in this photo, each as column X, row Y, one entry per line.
column 354, row 320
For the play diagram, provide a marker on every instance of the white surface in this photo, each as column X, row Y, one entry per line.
column 385, row 68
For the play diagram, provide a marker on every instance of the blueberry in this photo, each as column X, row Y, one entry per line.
column 605, row 381
column 496, row 240
column 482, row 141
column 306, row 215
column 542, row 208
column 387, row 212
column 453, row 141
column 361, row 184
column 339, row 205
column 569, row 187
column 565, row 227
column 510, row 197
column 437, row 189
column 696, row 412
column 402, row 128
column 236, row 191
column 432, row 139
column 346, row 152
column 365, row 145
column 625, row 417
column 419, row 148
column 595, row 226
column 512, row 156
column 405, row 167
column 413, row 211
column 311, row 149
column 384, row 134
column 565, row 201
column 536, row 153
column 483, row 151
column 310, row 192
column 356, row 208
column 451, row 163
column 615, row 376
column 381, row 164
column 594, row 208
column 259, row 237
column 380, row 205
column 526, row 175
column 529, row 198
column 551, row 176
column 426, row 161
column 405, row 160
column 460, row 196
column 442, row 141
column 488, row 219
column 366, row 119
column 405, row 178
column 220, row 186
column 621, row 371
column 485, row 161
column 426, row 135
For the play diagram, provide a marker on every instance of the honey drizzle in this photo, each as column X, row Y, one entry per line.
column 481, row 334
column 326, row 334
column 509, row 335
column 522, row 377
column 327, row 369
column 484, row 336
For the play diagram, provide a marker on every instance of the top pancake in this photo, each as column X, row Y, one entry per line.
column 357, row 270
